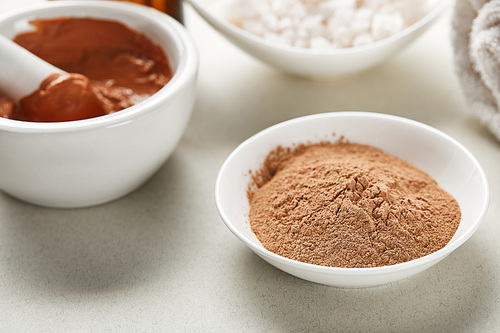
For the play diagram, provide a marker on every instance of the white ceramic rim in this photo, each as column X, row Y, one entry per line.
column 434, row 13
column 187, row 65
column 450, row 247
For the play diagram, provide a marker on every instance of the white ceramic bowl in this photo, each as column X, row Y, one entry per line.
column 92, row 161
column 455, row 169
column 317, row 63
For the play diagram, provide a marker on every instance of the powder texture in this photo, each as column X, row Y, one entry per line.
column 348, row 205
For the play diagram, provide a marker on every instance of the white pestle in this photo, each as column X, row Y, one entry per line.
column 21, row 72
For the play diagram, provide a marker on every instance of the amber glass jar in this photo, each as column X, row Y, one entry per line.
column 170, row 7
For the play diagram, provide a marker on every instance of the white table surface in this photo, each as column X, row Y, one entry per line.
column 161, row 259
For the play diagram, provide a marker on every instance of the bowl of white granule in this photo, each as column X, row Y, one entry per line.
column 321, row 38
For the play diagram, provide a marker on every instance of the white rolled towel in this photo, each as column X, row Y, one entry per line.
column 476, row 45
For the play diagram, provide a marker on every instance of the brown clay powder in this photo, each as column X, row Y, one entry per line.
column 348, row 205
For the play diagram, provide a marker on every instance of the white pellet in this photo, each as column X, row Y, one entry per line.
column 323, row 24
column 362, row 39
column 313, row 24
column 362, row 21
column 343, row 36
column 255, row 27
column 385, row 25
column 320, row 43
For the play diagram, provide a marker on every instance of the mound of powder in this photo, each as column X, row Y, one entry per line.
column 323, row 24
column 348, row 205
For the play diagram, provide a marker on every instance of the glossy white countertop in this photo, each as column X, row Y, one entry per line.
column 161, row 259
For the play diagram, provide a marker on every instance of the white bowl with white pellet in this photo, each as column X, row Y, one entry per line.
column 314, row 43
column 454, row 168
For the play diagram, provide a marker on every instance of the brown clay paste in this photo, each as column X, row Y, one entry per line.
column 110, row 67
